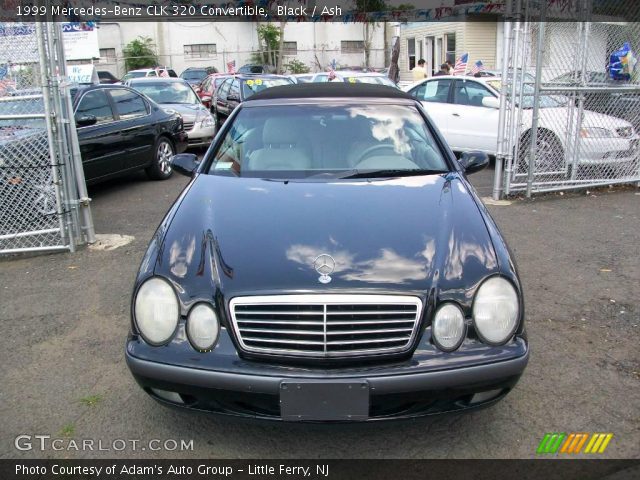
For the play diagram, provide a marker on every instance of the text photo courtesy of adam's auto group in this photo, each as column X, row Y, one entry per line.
column 223, row 231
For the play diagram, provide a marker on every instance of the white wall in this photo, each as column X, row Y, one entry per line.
column 236, row 41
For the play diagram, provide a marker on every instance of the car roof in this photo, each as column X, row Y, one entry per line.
column 253, row 76
column 157, row 79
column 330, row 90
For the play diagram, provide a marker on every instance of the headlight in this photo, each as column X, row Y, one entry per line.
column 496, row 310
column 202, row 327
column 207, row 121
column 594, row 132
column 156, row 311
column 448, row 327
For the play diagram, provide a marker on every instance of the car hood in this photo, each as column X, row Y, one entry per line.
column 559, row 119
column 189, row 112
column 243, row 235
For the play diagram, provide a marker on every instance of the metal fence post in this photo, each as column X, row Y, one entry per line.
column 536, row 100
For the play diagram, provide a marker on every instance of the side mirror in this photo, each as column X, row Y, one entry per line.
column 205, row 98
column 491, row 102
column 86, row 120
column 232, row 98
column 185, row 163
column 472, row 162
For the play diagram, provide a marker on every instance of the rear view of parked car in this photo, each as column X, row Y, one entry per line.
column 195, row 75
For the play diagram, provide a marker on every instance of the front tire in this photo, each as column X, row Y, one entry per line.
column 549, row 153
column 161, row 168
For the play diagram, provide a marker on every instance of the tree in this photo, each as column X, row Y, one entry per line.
column 140, row 53
column 364, row 6
column 269, row 44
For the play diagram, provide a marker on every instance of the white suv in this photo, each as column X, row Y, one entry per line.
column 149, row 72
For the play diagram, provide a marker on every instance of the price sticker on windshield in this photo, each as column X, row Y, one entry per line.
column 250, row 83
column 352, row 80
column 258, row 81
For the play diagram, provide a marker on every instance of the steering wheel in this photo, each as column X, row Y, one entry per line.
column 368, row 151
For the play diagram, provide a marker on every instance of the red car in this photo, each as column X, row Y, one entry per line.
column 208, row 86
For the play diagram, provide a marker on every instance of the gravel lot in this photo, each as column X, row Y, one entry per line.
column 65, row 318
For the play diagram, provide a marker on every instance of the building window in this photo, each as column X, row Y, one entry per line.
column 200, row 50
column 290, row 48
column 411, row 52
column 107, row 55
column 352, row 46
column 450, row 52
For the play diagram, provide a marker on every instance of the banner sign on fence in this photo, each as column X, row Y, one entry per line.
column 80, row 40
column 83, row 74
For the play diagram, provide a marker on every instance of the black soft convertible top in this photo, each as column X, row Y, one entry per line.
column 337, row 89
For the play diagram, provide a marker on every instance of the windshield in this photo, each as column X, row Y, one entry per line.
column 167, row 92
column 22, row 107
column 194, row 74
column 255, row 85
column 546, row 101
column 131, row 75
column 302, row 141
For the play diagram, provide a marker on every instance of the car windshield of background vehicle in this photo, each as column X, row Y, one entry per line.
column 255, row 85
column 168, row 92
column 546, row 101
column 194, row 74
column 328, row 141
column 131, row 75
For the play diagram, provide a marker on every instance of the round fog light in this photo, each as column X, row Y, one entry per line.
column 202, row 327
column 448, row 327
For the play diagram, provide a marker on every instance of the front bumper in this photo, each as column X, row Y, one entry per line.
column 403, row 389
column 607, row 151
column 200, row 137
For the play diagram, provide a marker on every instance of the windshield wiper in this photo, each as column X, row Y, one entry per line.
column 395, row 172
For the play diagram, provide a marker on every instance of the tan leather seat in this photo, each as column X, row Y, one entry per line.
column 283, row 148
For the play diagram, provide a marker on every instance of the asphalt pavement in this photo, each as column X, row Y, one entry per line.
column 65, row 318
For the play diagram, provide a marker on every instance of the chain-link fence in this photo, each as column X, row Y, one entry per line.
column 43, row 201
column 570, row 111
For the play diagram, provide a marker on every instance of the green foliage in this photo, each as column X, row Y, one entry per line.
column 269, row 38
column 91, row 400
column 68, row 430
column 296, row 66
column 140, row 53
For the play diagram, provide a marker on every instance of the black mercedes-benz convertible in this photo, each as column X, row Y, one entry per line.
column 329, row 261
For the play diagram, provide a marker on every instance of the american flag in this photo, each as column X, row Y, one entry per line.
column 231, row 66
column 461, row 64
column 477, row 67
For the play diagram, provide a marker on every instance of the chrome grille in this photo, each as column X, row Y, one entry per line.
column 325, row 325
column 188, row 126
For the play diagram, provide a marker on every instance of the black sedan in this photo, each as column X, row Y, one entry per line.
column 235, row 90
column 329, row 261
column 121, row 130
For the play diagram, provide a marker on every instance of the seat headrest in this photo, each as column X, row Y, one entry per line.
column 277, row 131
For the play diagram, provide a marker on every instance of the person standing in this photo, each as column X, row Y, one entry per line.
column 419, row 72
column 444, row 70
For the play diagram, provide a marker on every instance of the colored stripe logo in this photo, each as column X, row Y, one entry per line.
column 574, row 443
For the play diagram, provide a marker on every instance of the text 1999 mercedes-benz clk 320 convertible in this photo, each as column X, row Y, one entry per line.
column 329, row 261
